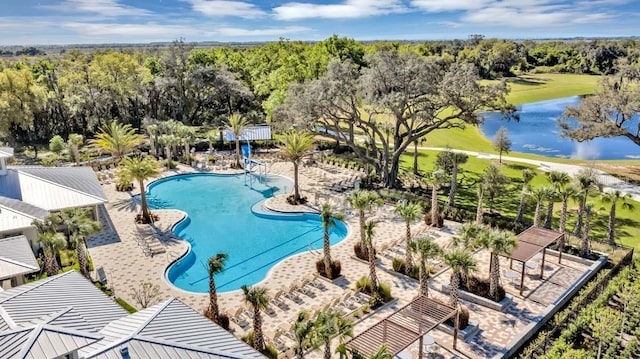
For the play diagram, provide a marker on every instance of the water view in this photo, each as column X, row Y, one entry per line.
column 537, row 132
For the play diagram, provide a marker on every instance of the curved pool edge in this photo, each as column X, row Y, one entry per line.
column 271, row 212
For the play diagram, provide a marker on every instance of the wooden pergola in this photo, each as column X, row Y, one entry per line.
column 404, row 327
column 530, row 243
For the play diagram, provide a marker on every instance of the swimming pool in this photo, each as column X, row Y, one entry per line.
column 225, row 215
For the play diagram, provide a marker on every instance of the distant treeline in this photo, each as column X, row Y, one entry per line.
column 75, row 91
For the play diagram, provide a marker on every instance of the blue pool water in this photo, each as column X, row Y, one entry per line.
column 221, row 219
column 537, row 132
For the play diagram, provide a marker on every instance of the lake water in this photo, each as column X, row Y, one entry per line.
column 537, row 132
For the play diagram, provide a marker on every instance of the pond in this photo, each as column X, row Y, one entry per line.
column 537, row 132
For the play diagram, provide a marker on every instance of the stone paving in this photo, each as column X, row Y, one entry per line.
column 117, row 250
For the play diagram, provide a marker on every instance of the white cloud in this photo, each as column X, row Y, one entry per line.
column 449, row 5
column 518, row 17
column 271, row 31
column 138, row 30
column 102, row 7
column 226, row 8
column 348, row 9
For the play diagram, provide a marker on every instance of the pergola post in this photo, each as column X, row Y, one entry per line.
column 420, row 344
column 522, row 278
column 544, row 252
column 560, row 250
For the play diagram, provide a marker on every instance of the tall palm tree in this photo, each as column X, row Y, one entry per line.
column 588, row 213
column 117, row 139
column 527, row 176
column 426, row 248
column 258, row 299
column 436, row 179
column 409, row 212
column 613, row 198
column 585, row 183
column 302, row 329
column 369, row 230
column 236, row 125
column 539, row 195
column 52, row 243
column 453, row 160
column 296, row 145
column 461, row 263
column 498, row 242
column 564, row 193
column 329, row 216
column 141, row 169
column 80, row 225
column 216, row 265
column 168, row 141
column 330, row 324
column 363, row 201
column 558, row 180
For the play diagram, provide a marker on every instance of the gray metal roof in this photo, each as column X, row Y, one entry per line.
column 148, row 348
column 42, row 341
column 36, row 300
column 6, row 152
column 16, row 257
column 82, row 179
column 172, row 322
column 23, row 208
column 250, row 133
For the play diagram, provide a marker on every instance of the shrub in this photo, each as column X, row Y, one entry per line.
column 427, row 220
column 400, row 266
column 364, row 285
column 270, row 352
column 334, row 273
column 301, row 200
column 362, row 252
column 481, row 286
column 223, row 321
column 140, row 220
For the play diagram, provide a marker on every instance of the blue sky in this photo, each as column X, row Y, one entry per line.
column 28, row 22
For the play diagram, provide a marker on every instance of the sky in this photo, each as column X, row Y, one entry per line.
column 49, row 22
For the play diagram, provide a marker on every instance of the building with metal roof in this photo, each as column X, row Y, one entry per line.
column 16, row 260
column 67, row 315
column 250, row 133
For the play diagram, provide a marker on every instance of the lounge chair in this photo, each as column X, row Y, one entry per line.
column 102, row 277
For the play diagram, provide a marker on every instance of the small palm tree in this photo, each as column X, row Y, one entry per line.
column 539, row 195
column 330, row 324
column 527, row 176
column 498, row 242
column 382, row 353
column 296, row 145
column 585, row 183
column 426, row 248
column 141, row 169
column 369, row 230
column 80, row 226
column 436, row 179
column 409, row 212
column 613, row 198
column 216, row 266
column 258, row 299
column 302, row 329
column 363, row 201
column 52, row 243
column 117, row 139
column 588, row 213
column 470, row 233
column 461, row 263
column 186, row 136
column 329, row 217
column 168, row 141
column 236, row 125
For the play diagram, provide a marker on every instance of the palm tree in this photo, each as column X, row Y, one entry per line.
column 369, row 230
column 409, row 212
column 236, row 125
column 564, row 193
column 212, row 137
column 153, row 131
column 470, row 233
column 480, row 209
column 588, row 213
column 328, row 325
column 461, row 263
column 558, row 180
column 216, row 265
column 302, row 329
column 51, row 242
column 436, row 178
column 258, row 299
column 363, row 201
column 296, row 145
column 450, row 162
column 494, row 181
column 74, row 142
column 527, row 176
column 613, row 198
column 498, row 242
column 539, row 195
column 117, row 139
column 168, row 141
column 426, row 248
column 382, row 353
column 329, row 217
column 141, row 169
column 80, row 226
column 186, row 136
column 586, row 182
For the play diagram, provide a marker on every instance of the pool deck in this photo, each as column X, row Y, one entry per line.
column 127, row 267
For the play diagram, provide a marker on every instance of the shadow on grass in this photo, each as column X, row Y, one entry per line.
column 526, row 81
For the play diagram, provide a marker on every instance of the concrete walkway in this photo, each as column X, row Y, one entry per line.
column 609, row 182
